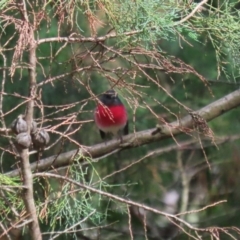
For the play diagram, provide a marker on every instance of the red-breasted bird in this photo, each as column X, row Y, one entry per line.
column 111, row 116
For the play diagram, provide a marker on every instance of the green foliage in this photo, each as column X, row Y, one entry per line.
column 8, row 198
column 149, row 21
column 68, row 205
column 5, row 180
column 223, row 33
column 146, row 21
column 4, row 3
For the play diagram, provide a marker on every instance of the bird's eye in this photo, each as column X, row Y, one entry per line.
column 108, row 96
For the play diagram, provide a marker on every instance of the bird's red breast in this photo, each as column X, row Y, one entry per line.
column 107, row 116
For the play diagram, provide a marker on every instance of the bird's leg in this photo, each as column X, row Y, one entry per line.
column 120, row 136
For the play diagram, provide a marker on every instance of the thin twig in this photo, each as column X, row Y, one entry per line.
column 185, row 183
column 74, row 225
column 199, row 5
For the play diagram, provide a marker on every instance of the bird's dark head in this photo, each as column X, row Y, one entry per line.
column 110, row 98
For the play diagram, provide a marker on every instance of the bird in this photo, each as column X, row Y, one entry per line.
column 111, row 116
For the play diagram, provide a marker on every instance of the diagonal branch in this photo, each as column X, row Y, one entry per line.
column 137, row 139
column 129, row 202
column 197, row 8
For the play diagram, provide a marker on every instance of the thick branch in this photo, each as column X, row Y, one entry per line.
column 28, row 198
column 209, row 112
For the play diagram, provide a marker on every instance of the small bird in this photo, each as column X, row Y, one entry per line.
column 111, row 116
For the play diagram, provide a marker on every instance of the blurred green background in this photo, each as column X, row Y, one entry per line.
column 175, row 181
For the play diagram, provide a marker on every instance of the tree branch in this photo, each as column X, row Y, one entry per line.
column 137, row 139
column 88, row 39
column 28, row 197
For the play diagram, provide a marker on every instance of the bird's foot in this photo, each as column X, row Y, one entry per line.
column 159, row 129
column 128, row 143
